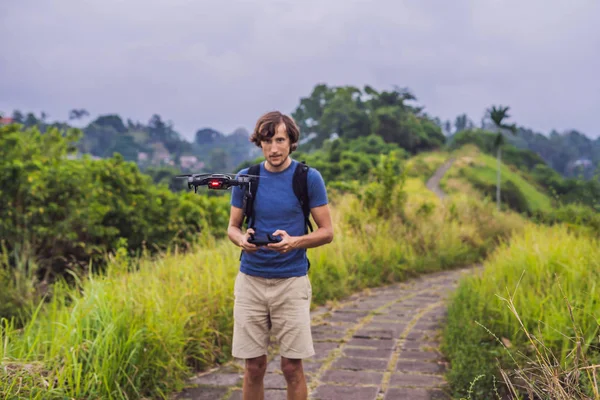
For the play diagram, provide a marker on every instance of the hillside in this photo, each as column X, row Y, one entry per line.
column 474, row 170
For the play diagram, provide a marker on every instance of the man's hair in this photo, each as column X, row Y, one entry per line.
column 267, row 125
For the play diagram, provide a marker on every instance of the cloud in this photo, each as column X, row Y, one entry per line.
column 222, row 63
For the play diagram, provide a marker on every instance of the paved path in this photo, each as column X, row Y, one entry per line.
column 378, row 345
column 433, row 183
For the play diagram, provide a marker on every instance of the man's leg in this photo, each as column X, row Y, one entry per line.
column 253, row 387
column 290, row 316
column 251, row 332
column 294, row 376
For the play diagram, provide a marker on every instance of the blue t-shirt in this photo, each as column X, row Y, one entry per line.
column 277, row 207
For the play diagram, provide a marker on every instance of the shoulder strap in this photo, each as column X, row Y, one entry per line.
column 250, row 195
column 300, row 184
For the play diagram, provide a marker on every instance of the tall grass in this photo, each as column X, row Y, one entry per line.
column 531, row 318
column 139, row 330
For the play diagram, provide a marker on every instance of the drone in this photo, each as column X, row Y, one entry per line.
column 217, row 181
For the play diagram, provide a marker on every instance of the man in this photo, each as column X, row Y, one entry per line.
column 272, row 289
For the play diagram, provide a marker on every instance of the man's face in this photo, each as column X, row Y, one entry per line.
column 277, row 149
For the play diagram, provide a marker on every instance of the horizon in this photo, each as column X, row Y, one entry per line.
column 215, row 65
column 83, row 122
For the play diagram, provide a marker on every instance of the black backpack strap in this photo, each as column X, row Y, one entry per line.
column 249, row 196
column 300, row 184
column 248, row 199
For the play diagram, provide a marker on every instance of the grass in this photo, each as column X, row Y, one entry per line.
column 480, row 169
column 530, row 319
column 141, row 329
column 423, row 165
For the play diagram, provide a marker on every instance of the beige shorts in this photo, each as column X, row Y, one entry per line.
column 277, row 307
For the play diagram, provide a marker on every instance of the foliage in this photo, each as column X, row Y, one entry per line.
column 385, row 194
column 563, row 151
column 111, row 339
column 424, row 165
column 155, row 144
column 344, row 160
column 350, row 113
column 71, row 212
column 535, row 169
column 531, row 278
column 519, row 194
column 576, row 217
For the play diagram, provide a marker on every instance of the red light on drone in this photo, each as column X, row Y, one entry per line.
column 214, row 184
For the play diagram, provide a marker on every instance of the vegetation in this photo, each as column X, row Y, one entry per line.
column 478, row 169
column 110, row 339
column 535, row 170
column 498, row 115
column 571, row 153
column 532, row 312
column 66, row 214
column 89, row 217
column 349, row 112
column 155, row 147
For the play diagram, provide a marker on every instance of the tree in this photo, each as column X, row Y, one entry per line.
column 498, row 115
column 78, row 113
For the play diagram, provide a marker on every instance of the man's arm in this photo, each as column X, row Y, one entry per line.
column 322, row 235
column 234, row 230
column 324, row 232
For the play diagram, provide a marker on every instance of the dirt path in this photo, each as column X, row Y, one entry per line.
column 381, row 344
column 433, row 183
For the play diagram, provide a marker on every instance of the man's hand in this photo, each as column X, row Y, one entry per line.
column 249, row 247
column 286, row 244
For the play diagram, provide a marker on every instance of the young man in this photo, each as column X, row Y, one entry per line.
column 272, row 289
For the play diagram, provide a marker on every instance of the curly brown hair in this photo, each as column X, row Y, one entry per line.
column 268, row 123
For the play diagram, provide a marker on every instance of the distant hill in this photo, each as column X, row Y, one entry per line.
column 155, row 146
column 328, row 112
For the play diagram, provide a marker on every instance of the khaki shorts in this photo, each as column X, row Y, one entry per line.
column 277, row 307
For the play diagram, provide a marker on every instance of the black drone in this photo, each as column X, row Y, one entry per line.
column 217, row 181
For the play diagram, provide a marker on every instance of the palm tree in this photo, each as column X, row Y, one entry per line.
column 498, row 115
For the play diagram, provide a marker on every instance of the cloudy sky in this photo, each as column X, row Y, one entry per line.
column 220, row 64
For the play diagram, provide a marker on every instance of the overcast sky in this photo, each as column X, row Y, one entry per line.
column 220, row 64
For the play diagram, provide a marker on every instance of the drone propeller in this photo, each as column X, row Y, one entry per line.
column 216, row 174
column 191, row 175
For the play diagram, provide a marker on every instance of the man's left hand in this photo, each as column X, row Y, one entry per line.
column 286, row 244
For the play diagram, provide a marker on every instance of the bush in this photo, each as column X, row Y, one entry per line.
column 71, row 212
column 577, row 217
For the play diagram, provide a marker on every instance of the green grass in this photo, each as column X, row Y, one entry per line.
column 516, row 314
column 480, row 169
column 136, row 334
column 423, row 165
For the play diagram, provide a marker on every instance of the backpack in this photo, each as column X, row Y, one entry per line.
column 299, row 184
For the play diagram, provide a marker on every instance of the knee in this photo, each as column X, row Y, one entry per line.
column 292, row 370
column 256, row 368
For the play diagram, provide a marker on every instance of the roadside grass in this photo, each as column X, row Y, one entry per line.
column 528, row 324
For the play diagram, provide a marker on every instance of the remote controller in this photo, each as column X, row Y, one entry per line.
column 263, row 241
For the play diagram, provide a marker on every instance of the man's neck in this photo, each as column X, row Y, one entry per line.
column 280, row 168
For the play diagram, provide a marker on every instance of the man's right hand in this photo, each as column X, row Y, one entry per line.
column 245, row 245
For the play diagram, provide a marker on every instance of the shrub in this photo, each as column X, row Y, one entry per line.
column 71, row 212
